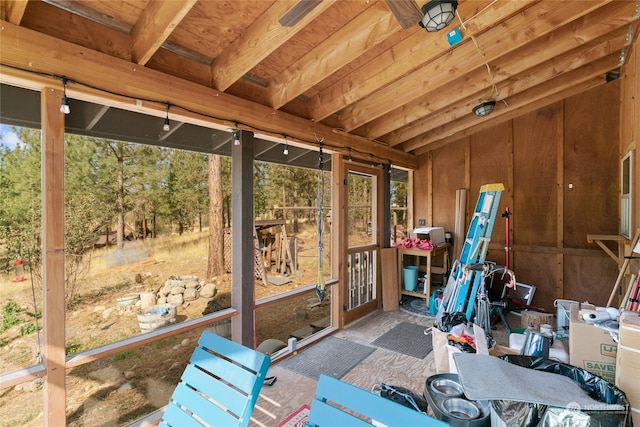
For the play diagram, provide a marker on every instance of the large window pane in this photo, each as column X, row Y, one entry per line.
column 361, row 212
column 20, row 273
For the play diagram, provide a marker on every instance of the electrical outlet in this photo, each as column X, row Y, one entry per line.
column 422, row 223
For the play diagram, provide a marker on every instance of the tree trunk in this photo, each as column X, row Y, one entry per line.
column 120, row 196
column 215, row 264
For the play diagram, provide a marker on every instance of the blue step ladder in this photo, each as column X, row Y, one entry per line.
column 462, row 285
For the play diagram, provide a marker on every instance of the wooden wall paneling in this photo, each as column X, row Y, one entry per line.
column 589, row 276
column 537, row 268
column 591, row 164
column 421, row 187
column 411, row 200
column 535, row 159
column 430, row 190
column 490, row 162
column 449, row 175
column 560, row 185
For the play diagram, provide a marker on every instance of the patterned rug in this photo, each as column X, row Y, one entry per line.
column 406, row 338
column 297, row 418
column 415, row 305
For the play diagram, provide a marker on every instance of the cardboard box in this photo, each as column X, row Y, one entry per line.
column 535, row 319
column 590, row 347
column 628, row 366
column 434, row 234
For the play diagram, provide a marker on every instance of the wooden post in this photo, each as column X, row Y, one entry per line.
column 243, row 251
column 53, row 257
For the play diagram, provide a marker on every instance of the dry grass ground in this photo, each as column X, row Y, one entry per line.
column 114, row 389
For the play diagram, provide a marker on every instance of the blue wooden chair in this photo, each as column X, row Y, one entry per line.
column 337, row 402
column 219, row 386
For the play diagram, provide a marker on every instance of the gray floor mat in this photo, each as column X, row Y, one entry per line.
column 331, row 356
column 406, row 338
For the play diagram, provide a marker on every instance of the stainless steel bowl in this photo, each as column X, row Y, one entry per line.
column 461, row 408
column 447, row 387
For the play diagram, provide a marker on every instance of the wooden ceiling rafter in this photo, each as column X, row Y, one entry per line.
column 511, row 114
column 544, row 91
column 116, row 76
column 347, row 67
column 259, row 40
column 573, row 45
column 155, row 25
column 369, row 29
column 15, row 11
column 546, row 16
column 418, row 49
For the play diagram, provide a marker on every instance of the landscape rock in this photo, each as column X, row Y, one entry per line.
column 190, row 294
column 189, row 284
column 177, row 290
column 176, row 299
column 208, row 290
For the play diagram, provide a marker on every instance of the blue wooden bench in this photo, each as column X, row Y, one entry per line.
column 336, row 402
column 219, row 386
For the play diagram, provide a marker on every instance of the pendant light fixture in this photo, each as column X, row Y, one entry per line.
column 64, row 104
column 166, row 126
column 484, row 108
column 438, row 14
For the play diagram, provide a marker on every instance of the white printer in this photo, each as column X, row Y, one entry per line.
column 434, row 234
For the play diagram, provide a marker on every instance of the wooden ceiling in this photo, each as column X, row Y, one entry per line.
column 347, row 71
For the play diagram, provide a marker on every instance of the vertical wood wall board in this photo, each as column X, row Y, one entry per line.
column 421, row 191
column 589, row 278
column 531, row 156
column 537, row 269
column 534, row 209
column 448, row 177
column 490, row 156
column 591, row 164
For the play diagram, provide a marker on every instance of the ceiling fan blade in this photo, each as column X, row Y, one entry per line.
column 297, row 12
column 406, row 12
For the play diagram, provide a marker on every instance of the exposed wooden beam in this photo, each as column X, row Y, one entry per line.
column 417, row 49
column 545, row 17
column 259, row 40
column 58, row 22
column 567, row 48
column 35, row 52
column 521, row 78
column 511, row 114
column 366, row 31
column 15, row 10
column 157, row 22
column 543, row 91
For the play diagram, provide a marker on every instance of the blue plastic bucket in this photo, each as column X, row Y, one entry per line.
column 410, row 277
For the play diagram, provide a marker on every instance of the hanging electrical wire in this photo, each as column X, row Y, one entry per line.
column 320, row 286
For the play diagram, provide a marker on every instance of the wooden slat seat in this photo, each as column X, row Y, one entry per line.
column 338, row 403
column 219, row 386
